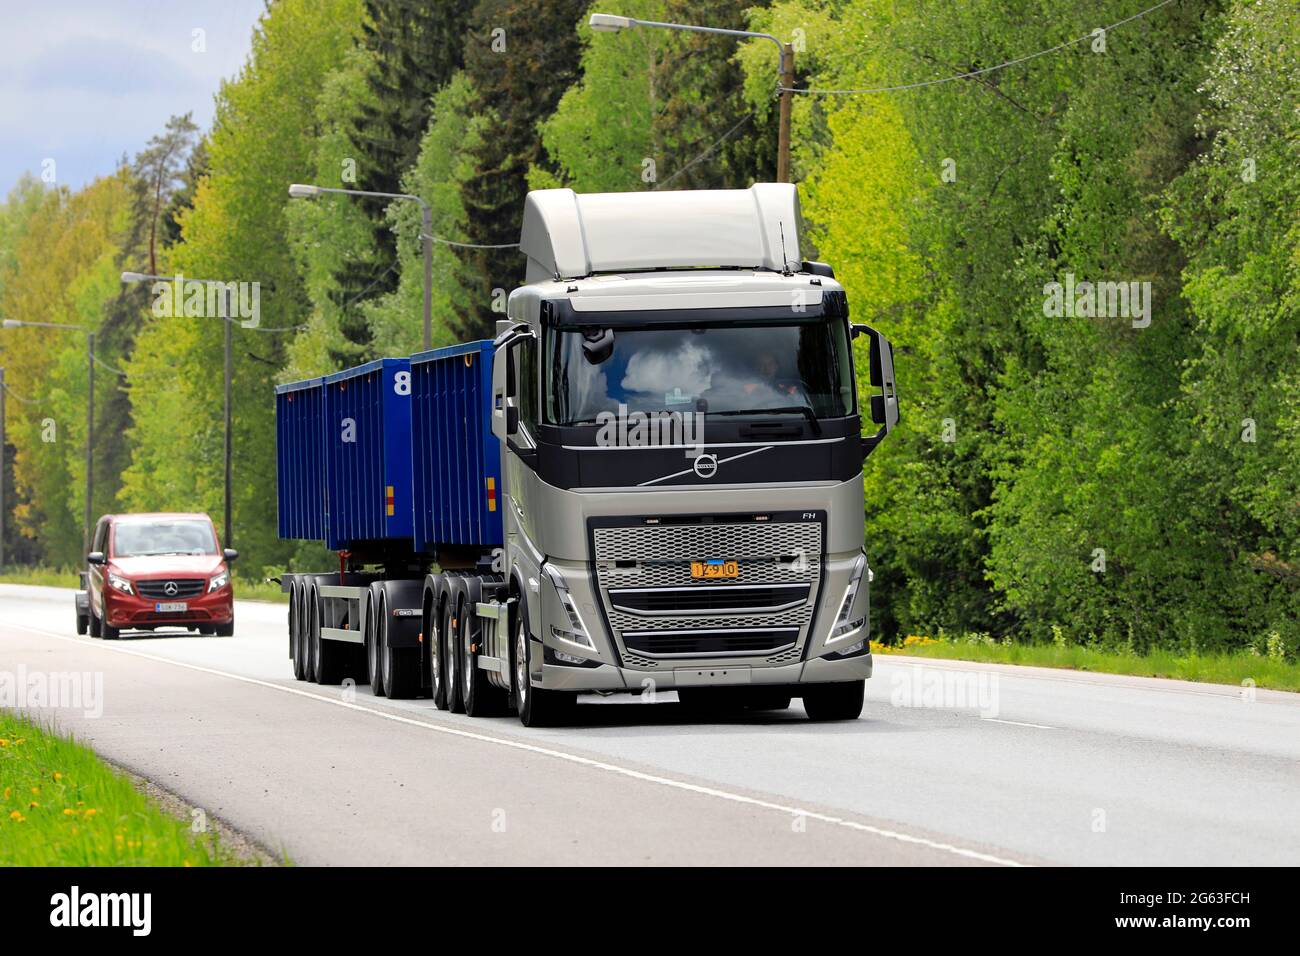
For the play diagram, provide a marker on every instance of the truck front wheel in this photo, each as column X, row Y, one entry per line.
column 536, row 707
column 838, row 701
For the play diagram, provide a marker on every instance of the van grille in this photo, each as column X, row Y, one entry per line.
column 158, row 590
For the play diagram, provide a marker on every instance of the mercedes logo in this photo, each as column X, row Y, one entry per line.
column 170, row 589
column 706, row 466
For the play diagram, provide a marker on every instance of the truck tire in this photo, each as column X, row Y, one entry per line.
column 372, row 641
column 536, row 707
column 431, row 630
column 448, row 656
column 400, row 666
column 480, row 697
column 838, row 701
column 296, row 628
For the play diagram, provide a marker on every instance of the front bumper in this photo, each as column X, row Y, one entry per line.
column 132, row 611
column 607, row 677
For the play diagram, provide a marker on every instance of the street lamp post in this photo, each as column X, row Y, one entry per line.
column 609, row 23
column 309, row 191
column 90, row 416
column 228, row 535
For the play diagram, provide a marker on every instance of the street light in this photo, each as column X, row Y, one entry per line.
column 229, row 535
column 609, row 23
column 90, row 421
column 310, row 191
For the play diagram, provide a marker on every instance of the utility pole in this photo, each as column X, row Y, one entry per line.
column 90, row 442
column 229, row 535
column 783, row 124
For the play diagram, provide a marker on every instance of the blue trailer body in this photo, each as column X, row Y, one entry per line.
column 300, row 459
column 367, row 439
column 456, row 460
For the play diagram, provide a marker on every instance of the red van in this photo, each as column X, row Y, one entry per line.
column 147, row 571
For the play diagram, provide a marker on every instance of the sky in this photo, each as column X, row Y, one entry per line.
column 85, row 82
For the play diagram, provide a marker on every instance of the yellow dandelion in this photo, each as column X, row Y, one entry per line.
column 69, row 812
column 32, row 805
column 16, row 816
column 4, row 742
column 57, row 776
column 36, row 789
column 91, row 812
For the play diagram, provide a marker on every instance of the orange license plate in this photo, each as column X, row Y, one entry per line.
column 714, row 569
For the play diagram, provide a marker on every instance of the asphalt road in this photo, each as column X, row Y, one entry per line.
column 951, row 763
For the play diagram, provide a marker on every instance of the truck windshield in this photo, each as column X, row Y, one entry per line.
column 730, row 370
column 135, row 539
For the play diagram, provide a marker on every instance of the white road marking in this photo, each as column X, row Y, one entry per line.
column 548, row 752
column 1018, row 723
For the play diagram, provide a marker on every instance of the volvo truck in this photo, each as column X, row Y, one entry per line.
column 648, row 482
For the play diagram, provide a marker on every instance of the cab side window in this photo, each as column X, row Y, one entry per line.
column 527, row 357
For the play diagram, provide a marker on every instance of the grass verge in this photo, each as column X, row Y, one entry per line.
column 60, row 805
column 1275, row 673
column 246, row 589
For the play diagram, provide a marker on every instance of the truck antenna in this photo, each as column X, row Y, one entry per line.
column 785, row 262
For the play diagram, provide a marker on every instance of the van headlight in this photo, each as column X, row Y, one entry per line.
column 120, row 583
column 219, row 582
column 844, row 626
column 577, row 632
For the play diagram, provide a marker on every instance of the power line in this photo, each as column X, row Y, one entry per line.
column 14, row 395
column 104, row 365
column 711, row 149
column 471, row 245
column 979, row 72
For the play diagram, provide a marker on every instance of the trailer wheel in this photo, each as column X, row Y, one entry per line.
column 536, row 707
column 372, row 641
column 449, row 657
column 481, row 698
column 432, row 630
column 297, row 601
column 83, row 624
column 838, row 701
column 400, row 665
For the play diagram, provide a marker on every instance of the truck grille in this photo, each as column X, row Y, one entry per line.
column 658, row 612
column 158, row 590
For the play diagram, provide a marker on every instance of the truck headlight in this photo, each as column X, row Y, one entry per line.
column 219, row 582
column 577, row 632
column 843, row 625
column 119, row 582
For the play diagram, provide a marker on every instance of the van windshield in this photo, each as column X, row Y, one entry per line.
column 799, row 368
column 136, row 539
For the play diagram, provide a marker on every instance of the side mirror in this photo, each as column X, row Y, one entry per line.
column 95, row 557
column 512, row 420
column 884, row 406
column 229, row 554
column 859, row 329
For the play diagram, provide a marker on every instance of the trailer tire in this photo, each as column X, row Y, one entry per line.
column 431, row 628
column 536, row 707
column 839, row 701
column 297, row 602
column 447, row 653
column 480, row 696
column 400, row 665
column 372, row 647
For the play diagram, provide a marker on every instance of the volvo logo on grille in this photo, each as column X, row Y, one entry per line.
column 706, row 466
column 170, row 589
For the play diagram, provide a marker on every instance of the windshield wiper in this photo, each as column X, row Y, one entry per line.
column 803, row 410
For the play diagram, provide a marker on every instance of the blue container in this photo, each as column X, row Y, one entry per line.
column 300, row 459
column 367, row 437
column 455, row 462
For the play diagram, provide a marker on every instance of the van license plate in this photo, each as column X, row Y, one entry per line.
column 171, row 606
column 715, row 569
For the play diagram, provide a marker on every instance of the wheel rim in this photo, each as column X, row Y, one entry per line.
column 435, row 652
column 521, row 661
column 467, row 658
